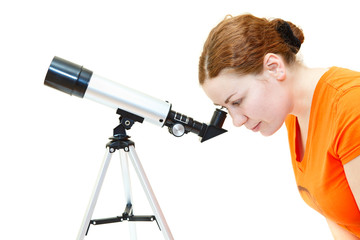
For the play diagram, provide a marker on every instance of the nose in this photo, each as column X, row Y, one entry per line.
column 239, row 119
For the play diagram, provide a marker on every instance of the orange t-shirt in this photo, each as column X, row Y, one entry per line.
column 333, row 140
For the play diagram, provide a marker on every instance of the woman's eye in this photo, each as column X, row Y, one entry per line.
column 236, row 103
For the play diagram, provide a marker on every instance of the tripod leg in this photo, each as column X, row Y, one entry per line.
column 127, row 188
column 150, row 194
column 95, row 194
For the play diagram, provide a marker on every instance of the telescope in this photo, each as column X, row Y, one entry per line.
column 132, row 106
column 76, row 80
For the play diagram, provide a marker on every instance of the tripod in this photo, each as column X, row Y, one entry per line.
column 120, row 141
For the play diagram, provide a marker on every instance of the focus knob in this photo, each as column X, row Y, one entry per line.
column 177, row 130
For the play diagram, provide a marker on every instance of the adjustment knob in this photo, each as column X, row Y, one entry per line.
column 177, row 130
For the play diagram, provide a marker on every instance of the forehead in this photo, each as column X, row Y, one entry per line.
column 227, row 83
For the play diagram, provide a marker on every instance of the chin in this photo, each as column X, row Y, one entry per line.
column 268, row 132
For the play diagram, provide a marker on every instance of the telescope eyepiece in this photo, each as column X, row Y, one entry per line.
column 218, row 118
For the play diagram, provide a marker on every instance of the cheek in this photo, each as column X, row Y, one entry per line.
column 268, row 105
column 257, row 106
column 256, row 103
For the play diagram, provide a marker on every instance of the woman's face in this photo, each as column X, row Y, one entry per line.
column 260, row 102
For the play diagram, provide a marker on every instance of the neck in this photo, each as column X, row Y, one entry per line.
column 303, row 83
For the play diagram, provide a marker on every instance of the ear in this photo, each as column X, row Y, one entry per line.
column 275, row 66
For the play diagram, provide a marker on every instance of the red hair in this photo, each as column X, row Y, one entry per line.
column 242, row 42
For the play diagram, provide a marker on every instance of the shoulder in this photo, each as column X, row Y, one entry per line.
column 341, row 79
column 338, row 90
column 338, row 104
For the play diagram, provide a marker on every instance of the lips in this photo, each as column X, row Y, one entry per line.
column 256, row 127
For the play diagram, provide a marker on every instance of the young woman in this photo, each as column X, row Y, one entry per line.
column 249, row 66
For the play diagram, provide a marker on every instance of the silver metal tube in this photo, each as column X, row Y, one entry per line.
column 115, row 95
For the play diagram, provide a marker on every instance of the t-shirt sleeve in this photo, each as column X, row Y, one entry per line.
column 347, row 139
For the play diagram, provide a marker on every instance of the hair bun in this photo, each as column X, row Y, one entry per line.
column 287, row 34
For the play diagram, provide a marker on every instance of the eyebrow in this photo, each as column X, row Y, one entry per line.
column 226, row 101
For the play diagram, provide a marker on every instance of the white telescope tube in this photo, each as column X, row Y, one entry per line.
column 75, row 80
column 115, row 95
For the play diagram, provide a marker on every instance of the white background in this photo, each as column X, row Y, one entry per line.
column 239, row 185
